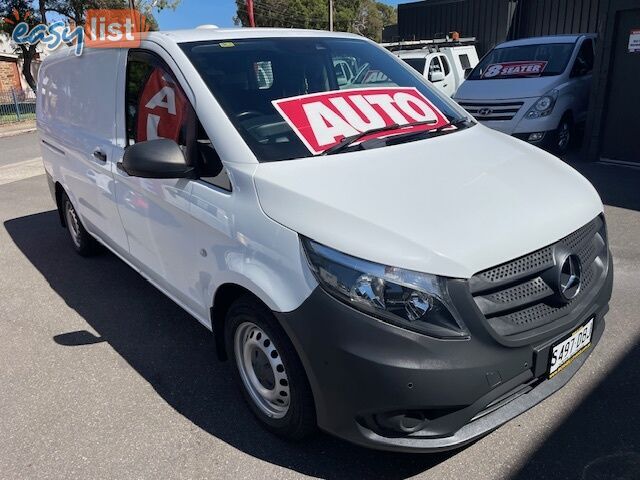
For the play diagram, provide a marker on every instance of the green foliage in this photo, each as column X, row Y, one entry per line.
column 365, row 17
column 75, row 10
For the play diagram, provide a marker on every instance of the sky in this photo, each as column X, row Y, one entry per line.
column 192, row 13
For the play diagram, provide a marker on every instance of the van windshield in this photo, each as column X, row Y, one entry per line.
column 297, row 97
column 540, row 60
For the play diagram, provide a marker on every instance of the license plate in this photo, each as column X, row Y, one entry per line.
column 564, row 352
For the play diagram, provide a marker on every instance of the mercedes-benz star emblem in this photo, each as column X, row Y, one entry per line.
column 485, row 111
column 570, row 277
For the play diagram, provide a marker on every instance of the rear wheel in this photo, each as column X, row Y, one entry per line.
column 268, row 370
column 82, row 241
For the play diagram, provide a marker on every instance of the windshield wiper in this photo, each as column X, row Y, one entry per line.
column 348, row 141
column 411, row 135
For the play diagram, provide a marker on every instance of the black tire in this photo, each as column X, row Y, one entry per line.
column 563, row 136
column 81, row 240
column 299, row 421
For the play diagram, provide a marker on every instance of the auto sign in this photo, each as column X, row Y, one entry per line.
column 322, row 120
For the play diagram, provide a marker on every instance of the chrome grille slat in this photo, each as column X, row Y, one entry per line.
column 499, row 110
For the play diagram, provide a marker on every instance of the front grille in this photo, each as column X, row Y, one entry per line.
column 522, row 294
column 492, row 110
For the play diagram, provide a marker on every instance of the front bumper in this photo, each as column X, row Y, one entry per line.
column 361, row 368
column 519, row 126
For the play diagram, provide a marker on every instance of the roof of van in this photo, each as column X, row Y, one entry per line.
column 203, row 34
column 217, row 34
column 549, row 39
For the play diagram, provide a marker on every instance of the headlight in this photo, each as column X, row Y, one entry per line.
column 412, row 300
column 544, row 105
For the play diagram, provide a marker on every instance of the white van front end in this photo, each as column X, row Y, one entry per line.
column 535, row 89
column 533, row 119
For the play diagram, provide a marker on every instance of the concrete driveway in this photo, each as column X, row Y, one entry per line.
column 104, row 377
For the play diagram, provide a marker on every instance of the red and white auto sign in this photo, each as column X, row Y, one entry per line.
column 161, row 109
column 511, row 69
column 322, row 120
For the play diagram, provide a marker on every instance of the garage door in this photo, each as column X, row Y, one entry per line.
column 620, row 132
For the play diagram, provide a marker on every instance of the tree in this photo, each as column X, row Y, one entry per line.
column 35, row 12
column 365, row 17
column 372, row 17
column 14, row 12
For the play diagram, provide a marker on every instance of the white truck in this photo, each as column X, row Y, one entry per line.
column 444, row 62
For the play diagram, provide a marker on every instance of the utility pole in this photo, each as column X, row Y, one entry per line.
column 331, row 15
column 252, row 20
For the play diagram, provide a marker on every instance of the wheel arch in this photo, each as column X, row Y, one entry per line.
column 223, row 298
column 59, row 192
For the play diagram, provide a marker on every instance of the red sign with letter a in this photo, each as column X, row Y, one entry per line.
column 322, row 120
column 162, row 108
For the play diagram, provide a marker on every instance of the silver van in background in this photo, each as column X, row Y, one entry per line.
column 536, row 89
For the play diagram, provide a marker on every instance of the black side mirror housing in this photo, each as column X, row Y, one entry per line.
column 467, row 72
column 160, row 158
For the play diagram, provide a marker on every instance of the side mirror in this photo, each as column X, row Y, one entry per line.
column 580, row 68
column 436, row 77
column 160, row 158
column 467, row 72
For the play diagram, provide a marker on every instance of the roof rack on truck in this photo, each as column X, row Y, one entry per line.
column 431, row 44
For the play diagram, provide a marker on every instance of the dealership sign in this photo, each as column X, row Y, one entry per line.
column 513, row 69
column 634, row 41
column 322, row 120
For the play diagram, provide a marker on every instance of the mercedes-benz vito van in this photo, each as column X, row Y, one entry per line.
column 536, row 89
column 371, row 260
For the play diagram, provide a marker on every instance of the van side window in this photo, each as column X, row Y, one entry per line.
column 445, row 65
column 584, row 60
column 464, row 61
column 434, row 66
column 157, row 107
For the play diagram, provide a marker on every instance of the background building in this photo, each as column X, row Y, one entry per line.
column 11, row 76
column 611, row 130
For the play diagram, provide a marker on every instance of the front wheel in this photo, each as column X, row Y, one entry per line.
column 563, row 136
column 268, row 370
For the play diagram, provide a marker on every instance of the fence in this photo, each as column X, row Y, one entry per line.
column 17, row 105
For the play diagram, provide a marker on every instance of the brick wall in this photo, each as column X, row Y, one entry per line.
column 9, row 75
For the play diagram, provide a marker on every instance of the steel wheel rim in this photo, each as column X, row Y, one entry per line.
column 261, row 370
column 73, row 224
column 564, row 135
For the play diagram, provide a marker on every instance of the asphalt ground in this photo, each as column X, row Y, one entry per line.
column 101, row 376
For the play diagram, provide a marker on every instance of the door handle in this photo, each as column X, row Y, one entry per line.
column 99, row 155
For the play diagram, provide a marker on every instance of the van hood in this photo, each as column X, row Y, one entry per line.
column 506, row 89
column 452, row 205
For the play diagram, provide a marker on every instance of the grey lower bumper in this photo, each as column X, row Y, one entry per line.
column 491, row 421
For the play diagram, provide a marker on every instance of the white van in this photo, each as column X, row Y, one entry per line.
column 536, row 89
column 372, row 261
